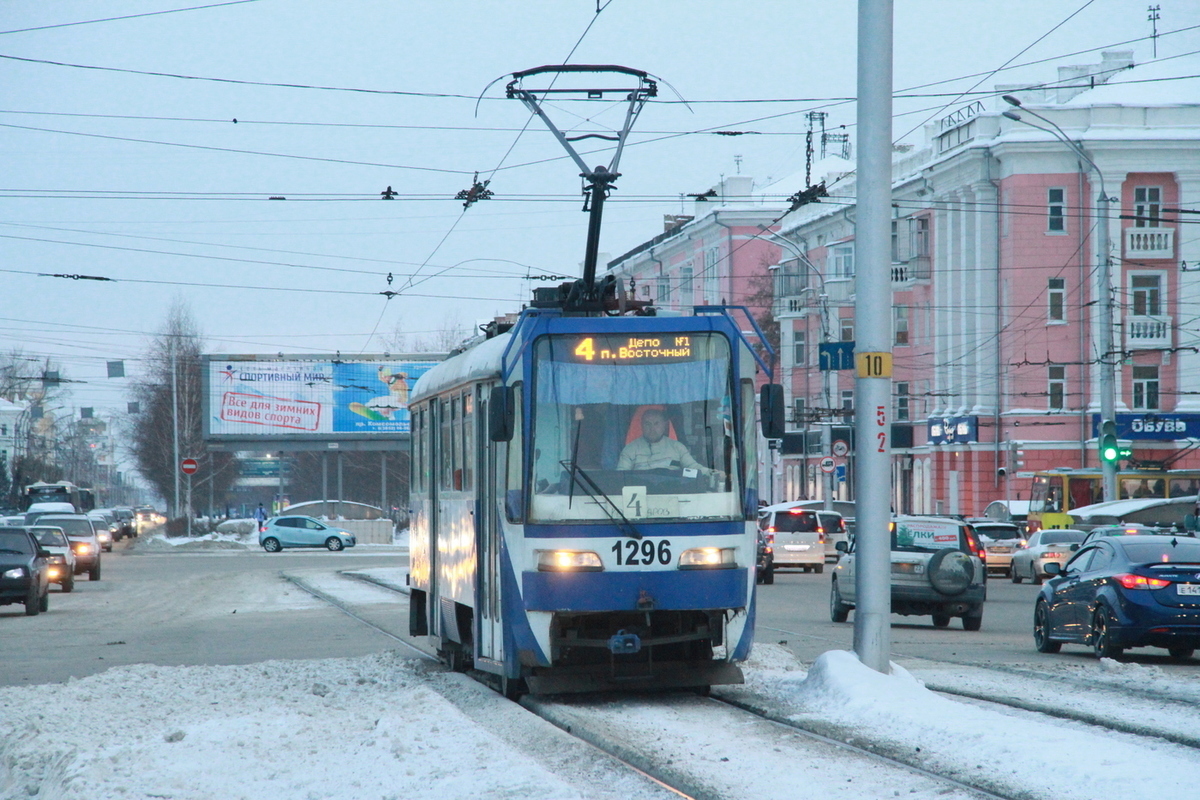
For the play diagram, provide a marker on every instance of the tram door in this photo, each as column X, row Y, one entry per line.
column 490, row 635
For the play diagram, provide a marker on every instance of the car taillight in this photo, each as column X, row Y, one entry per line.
column 1131, row 581
column 1052, row 554
column 771, row 536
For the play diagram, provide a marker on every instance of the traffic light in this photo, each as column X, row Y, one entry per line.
column 1110, row 451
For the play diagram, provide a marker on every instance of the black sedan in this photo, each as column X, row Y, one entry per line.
column 1120, row 592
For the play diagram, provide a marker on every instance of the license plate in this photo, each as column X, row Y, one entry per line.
column 796, row 548
column 999, row 549
column 1188, row 588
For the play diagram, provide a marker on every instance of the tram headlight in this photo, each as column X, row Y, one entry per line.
column 708, row 558
column 568, row 561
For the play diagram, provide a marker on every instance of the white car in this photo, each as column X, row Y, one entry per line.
column 796, row 534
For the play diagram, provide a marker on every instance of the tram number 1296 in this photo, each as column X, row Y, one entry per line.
column 644, row 551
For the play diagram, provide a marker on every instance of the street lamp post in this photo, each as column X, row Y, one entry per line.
column 826, row 428
column 1104, row 337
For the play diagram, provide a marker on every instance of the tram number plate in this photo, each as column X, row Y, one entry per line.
column 631, row 552
column 1188, row 588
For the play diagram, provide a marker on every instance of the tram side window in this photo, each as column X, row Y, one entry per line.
column 749, row 440
column 514, row 505
column 444, row 450
column 1085, row 491
column 1054, row 495
column 418, row 444
column 468, row 440
column 1184, row 487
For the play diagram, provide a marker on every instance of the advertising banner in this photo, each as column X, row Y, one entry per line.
column 304, row 398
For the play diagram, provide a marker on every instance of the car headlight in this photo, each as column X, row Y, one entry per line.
column 82, row 548
column 104, row 536
column 57, row 560
column 708, row 558
column 15, row 572
column 54, row 572
column 568, row 561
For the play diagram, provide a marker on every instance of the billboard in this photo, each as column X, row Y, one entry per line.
column 309, row 397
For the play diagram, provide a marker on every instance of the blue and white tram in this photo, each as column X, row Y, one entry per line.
column 535, row 558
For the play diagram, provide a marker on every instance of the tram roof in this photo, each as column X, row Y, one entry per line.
column 478, row 363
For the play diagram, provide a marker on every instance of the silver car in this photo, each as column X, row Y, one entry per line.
column 937, row 569
column 1000, row 540
column 1050, row 546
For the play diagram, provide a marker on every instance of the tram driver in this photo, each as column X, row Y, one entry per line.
column 654, row 450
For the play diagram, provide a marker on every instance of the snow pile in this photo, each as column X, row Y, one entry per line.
column 374, row 727
column 1009, row 751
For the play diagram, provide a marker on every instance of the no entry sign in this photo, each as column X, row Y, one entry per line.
column 189, row 466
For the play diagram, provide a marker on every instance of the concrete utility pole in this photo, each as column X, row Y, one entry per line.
column 873, row 345
column 174, row 344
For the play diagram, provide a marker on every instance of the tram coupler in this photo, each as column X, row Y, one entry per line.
column 622, row 643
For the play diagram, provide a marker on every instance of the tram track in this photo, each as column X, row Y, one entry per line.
column 675, row 774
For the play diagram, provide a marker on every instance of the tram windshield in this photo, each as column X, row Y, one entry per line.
column 634, row 426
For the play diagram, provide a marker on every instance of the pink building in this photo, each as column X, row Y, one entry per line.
column 995, row 284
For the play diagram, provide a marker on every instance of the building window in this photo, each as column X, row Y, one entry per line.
column 847, row 329
column 686, row 297
column 920, row 234
column 712, row 283
column 1057, row 387
column 1147, row 202
column 1056, row 294
column 902, row 409
column 847, row 399
column 664, row 290
column 798, row 411
column 1056, row 204
column 799, row 348
column 1146, row 289
column 900, row 324
column 1145, row 388
column 842, row 259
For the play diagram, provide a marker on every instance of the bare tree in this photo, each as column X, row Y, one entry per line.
column 170, row 392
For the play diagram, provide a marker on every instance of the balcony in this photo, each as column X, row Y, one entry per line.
column 1147, row 333
column 1149, row 242
column 915, row 269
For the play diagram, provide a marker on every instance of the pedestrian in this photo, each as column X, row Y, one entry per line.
column 260, row 516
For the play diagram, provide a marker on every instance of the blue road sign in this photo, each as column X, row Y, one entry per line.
column 835, row 355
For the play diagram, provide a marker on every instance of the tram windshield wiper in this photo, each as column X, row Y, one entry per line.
column 603, row 500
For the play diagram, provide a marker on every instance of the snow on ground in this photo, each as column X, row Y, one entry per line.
column 386, row 726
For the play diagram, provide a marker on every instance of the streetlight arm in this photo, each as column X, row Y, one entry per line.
column 1061, row 135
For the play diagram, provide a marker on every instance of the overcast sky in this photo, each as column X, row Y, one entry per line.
column 146, row 180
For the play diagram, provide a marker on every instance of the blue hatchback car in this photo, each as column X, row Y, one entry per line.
column 301, row 531
column 1120, row 592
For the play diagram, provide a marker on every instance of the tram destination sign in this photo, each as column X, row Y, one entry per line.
column 1164, row 427
column 633, row 348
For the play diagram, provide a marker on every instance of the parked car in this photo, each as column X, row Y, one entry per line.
column 1101, row 531
column 1000, row 540
column 764, row 567
column 62, row 557
column 301, row 531
column 798, row 534
column 1049, row 546
column 1120, row 592
column 938, row 568
column 24, row 571
column 82, row 535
